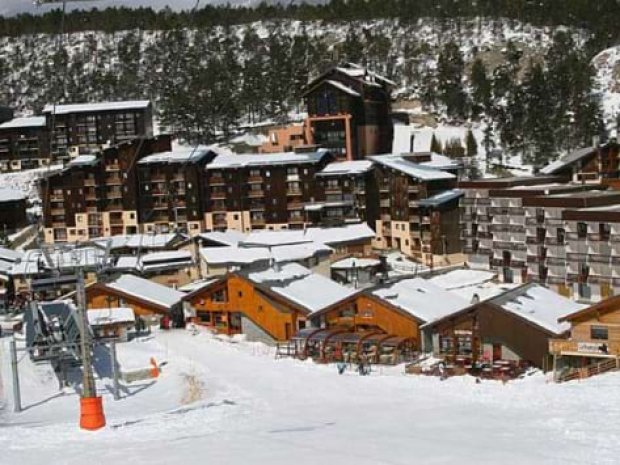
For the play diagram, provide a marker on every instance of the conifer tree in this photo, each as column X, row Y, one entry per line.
column 471, row 143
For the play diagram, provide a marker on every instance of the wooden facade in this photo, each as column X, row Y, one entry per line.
column 485, row 332
column 365, row 312
column 349, row 112
column 235, row 305
column 24, row 144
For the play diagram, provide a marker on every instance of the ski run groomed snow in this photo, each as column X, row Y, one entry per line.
column 226, row 401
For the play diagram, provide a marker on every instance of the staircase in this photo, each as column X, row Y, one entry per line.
column 593, row 369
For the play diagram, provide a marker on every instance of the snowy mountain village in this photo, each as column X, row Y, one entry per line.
column 335, row 287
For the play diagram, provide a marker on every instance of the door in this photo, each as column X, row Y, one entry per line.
column 287, row 331
column 497, row 352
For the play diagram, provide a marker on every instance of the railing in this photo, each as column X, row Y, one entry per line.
column 252, row 194
column 217, row 181
column 292, row 192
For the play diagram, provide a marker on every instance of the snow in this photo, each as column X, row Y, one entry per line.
column 421, row 298
column 232, row 255
column 8, row 194
column 10, row 255
column 342, row 87
column 100, row 106
column 83, row 160
column 416, row 170
column 352, row 167
column 110, row 316
column 229, row 237
column 462, row 278
column 253, row 140
column 328, row 236
column 253, row 408
column 168, row 255
column 355, row 262
column 566, row 160
column 226, row 161
column 295, row 252
column 177, row 156
column 540, row 306
column 300, row 285
column 25, row 122
column 442, row 197
column 146, row 290
column 26, row 181
column 195, row 285
column 137, row 241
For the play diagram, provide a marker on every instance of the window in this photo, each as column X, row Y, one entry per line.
column 604, row 230
column 540, row 215
column 240, row 294
column 561, row 236
column 582, row 230
column 219, row 296
column 204, row 317
column 599, row 332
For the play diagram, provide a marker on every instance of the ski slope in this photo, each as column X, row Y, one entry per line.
column 255, row 409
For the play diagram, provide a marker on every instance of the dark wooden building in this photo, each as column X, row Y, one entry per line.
column 24, row 144
column 350, row 194
column 172, row 190
column 96, row 195
column 90, row 126
column 263, row 191
column 12, row 210
column 589, row 164
column 349, row 112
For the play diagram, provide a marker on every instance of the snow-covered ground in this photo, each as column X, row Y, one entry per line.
column 251, row 408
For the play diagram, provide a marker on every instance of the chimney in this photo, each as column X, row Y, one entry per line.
column 411, row 141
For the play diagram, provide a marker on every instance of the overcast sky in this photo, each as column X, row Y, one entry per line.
column 11, row 7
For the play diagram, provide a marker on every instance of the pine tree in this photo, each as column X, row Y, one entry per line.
column 436, row 145
column 481, row 89
column 471, row 143
column 450, row 69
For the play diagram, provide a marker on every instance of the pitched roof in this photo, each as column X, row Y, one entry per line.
column 300, row 286
column 233, row 255
column 416, row 170
column 110, row 316
column 441, row 198
column 8, row 194
column 538, row 305
column 568, row 159
column 26, row 122
column 328, row 236
column 605, row 306
column 185, row 155
column 421, row 299
column 229, row 237
column 146, row 290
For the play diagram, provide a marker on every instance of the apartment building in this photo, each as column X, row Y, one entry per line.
column 96, row 195
column 263, row 191
column 418, row 207
column 172, row 190
column 349, row 112
column 86, row 127
column 592, row 252
column 350, row 194
column 13, row 215
column 477, row 216
column 23, row 144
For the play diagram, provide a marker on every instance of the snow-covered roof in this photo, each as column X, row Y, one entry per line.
column 566, row 160
column 195, row 285
column 539, row 305
column 234, row 255
column 224, row 161
column 346, row 167
column 83, row 160
column 155, row 260
column 298, row 284
column 357, row 71
column 34, row 261
column 253, row 140
column 416, row 170
column 294, row 252
column 146, row 290
column 26, row 122
column 8, row 194
column 329, row 236
column 99, row 106
column 340, row 86
column 421, row 298
column 168, row 255
column 462, row 278
column 185, row 155
column 229, row 237
column 441, row 198
column 110, row 316
column 10, row 255
column 440, row 162
column 127, row 262
column 138, row 241
column 351, row 262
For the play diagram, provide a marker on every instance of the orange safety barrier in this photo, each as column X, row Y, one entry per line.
column 91, row 413
column 155, row 371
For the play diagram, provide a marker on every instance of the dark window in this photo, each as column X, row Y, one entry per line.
column 604, row 231
column 561, row 235
column 599, row 332
column 540, row 215
column 220, row 296
column 204, row 317
column 582, row 230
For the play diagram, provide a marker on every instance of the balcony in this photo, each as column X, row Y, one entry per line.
column 216, row 181
column 294, row 192
column 218, row 195
column 252, row 194
column 90, row 182
column 567, row 346
column 112, row 167
column 385, row 203
column 333, row 190
column 413, row 189
column 257, row 221
column 255, row 179
column 294, row 206
column 296, row 219
column 113, row 180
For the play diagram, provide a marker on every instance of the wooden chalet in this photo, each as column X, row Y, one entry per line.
column 514, row 327
column 148, row 300
column 269, row 304
column 593, row 346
